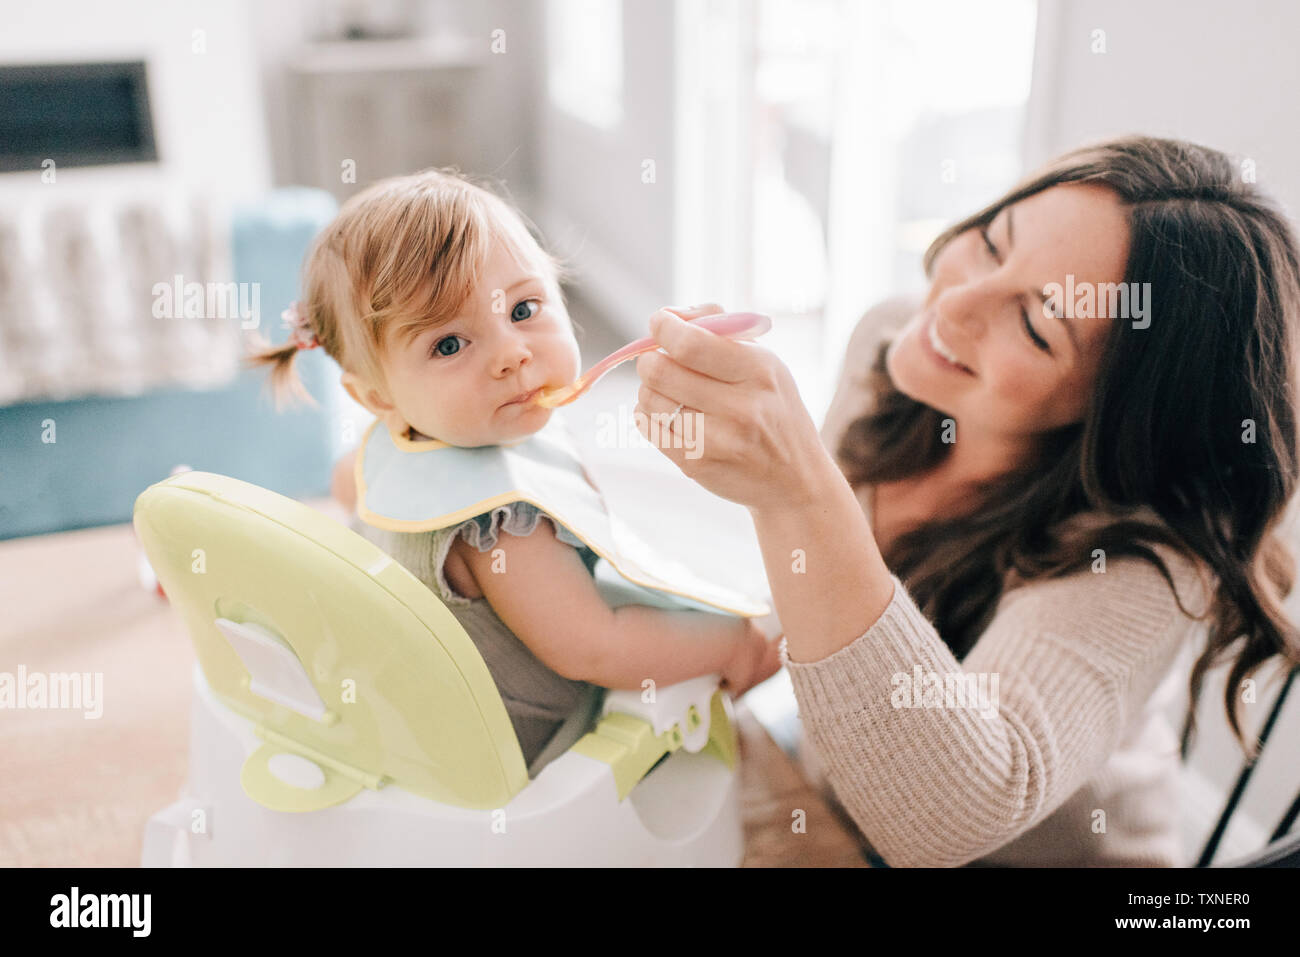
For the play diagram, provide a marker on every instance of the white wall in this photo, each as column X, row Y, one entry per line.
column 507, row 89
column 1221, row 73
column 617, row 230
column 207, row 117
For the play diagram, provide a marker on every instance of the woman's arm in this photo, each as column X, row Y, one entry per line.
column 935, row 779
column 541, row 590
column 828, row 579
column 927, row 785
column 759, row 447
column 777, row 532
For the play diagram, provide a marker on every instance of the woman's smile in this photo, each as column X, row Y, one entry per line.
column 939, row 350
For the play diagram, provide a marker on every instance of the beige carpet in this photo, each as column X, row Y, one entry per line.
column 77, row 791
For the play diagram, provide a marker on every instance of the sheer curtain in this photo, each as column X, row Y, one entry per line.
column 824, row 143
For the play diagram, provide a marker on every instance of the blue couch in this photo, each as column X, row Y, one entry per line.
column 108, row 450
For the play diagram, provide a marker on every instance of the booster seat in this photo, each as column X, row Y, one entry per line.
column 342, row 716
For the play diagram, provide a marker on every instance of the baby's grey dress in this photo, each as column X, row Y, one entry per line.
column 548, row 711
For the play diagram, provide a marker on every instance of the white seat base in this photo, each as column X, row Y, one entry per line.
column 685, row 813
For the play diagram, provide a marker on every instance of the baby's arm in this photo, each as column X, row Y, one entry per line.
column 343, row 481
column 542, row 591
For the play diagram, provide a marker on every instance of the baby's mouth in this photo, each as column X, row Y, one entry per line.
column 525, row 397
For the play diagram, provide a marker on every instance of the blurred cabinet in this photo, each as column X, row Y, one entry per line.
column 384, row 107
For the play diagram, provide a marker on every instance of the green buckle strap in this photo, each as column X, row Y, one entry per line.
column 631, row 748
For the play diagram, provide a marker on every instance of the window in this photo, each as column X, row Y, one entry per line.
column 864, row 127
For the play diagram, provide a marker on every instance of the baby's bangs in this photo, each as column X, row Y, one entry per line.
column 507, row 227
column 443, row 270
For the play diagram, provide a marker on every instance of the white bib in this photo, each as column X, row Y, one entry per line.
column 409, row 486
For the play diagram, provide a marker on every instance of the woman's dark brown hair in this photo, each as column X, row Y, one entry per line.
column 1192, row 416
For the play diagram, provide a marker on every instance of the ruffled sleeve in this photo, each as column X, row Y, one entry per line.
column 424, row 554
column 483, row 532
column 516, row 518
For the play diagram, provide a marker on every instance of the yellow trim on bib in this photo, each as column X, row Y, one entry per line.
column 407, row 444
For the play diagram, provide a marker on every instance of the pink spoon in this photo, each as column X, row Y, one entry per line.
column 733, row 325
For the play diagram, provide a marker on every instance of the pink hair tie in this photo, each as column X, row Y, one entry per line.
column 300, row 333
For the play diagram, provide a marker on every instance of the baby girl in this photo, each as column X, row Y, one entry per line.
column 446, row 316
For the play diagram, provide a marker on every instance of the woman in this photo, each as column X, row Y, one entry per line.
column 1044, row 503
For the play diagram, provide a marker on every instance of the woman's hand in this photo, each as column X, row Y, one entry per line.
column 743, row 431
column 757, row 658
column 753, row 442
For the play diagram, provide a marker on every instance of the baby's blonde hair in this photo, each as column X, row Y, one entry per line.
column 401, row 256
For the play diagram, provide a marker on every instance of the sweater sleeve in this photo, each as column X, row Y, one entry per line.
column 1064, row 664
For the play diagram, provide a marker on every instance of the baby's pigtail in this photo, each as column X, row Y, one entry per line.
column 284, row 381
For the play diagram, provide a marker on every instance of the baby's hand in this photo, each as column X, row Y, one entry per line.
column 757, row 658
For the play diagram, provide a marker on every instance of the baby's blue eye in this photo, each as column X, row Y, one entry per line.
column 525, row 310
column 447, row 346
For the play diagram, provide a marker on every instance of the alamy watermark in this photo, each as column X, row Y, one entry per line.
column 128, row 911
column 57, row 690
column 179, row 299
column 929, row 689
column 1083, row 300
column 624, row 429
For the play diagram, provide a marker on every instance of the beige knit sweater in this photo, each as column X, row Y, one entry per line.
column 1075, row 766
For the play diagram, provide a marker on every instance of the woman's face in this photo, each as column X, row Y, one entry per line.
column 1026, row 371
column 461, row 381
